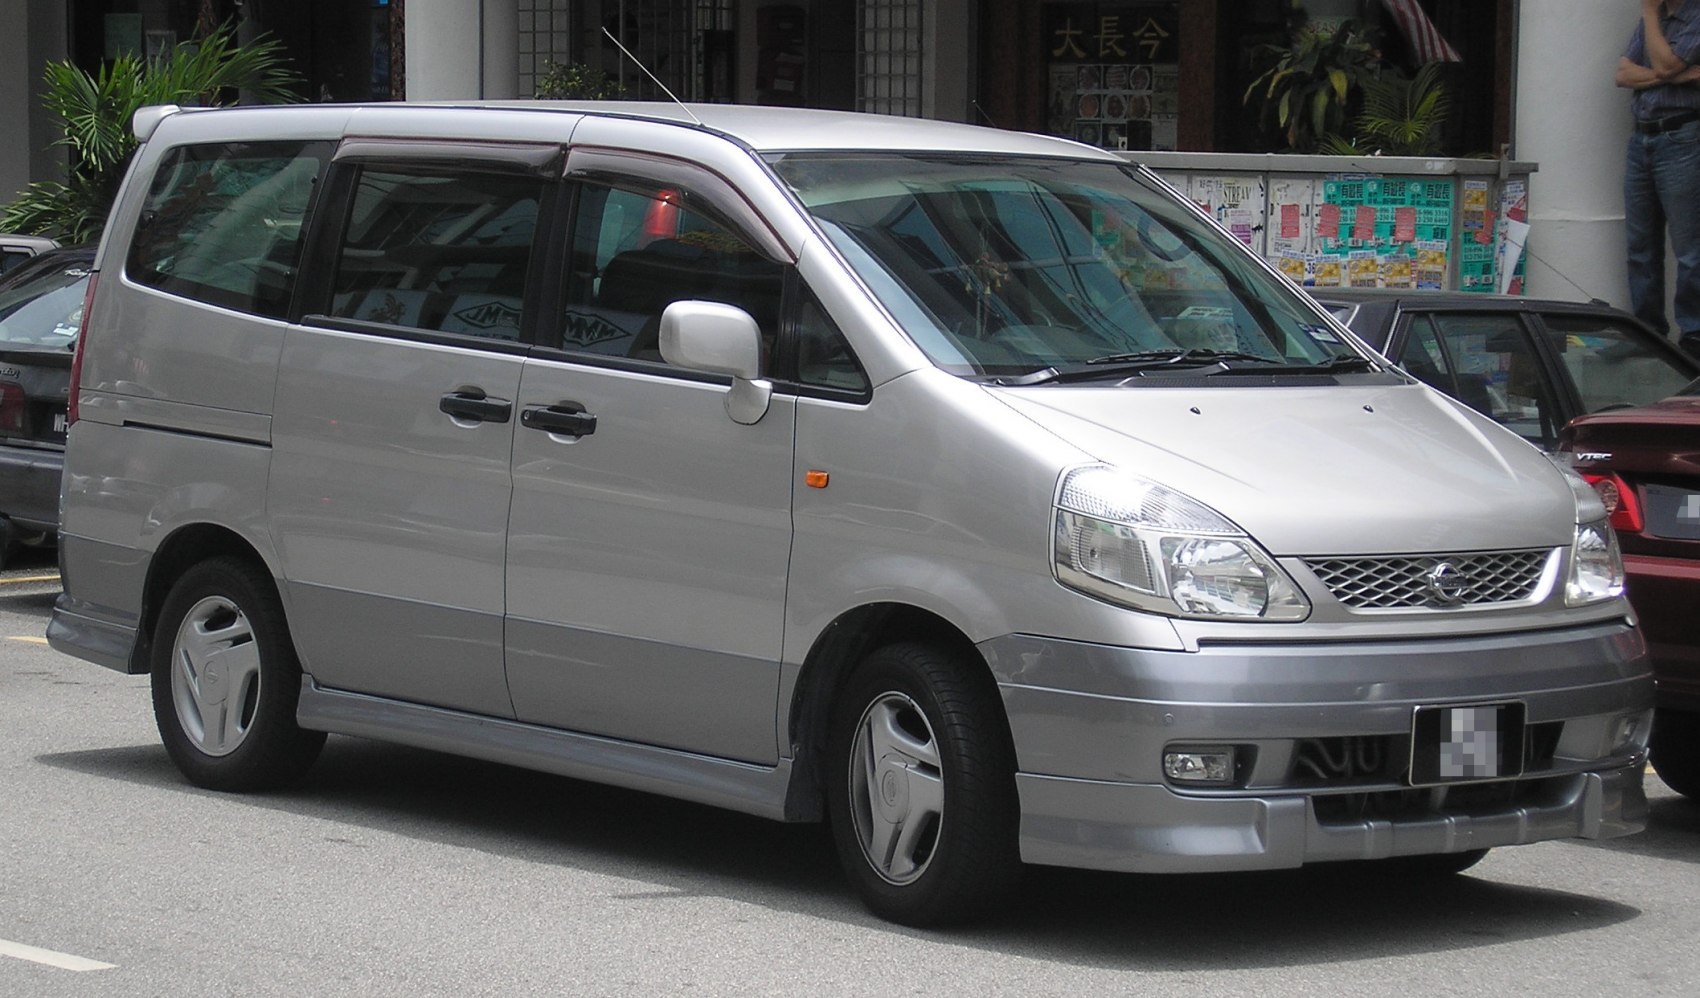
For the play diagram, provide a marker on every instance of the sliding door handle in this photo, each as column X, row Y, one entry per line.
column 476, row 406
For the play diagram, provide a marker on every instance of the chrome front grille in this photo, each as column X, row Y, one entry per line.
column 1432, row 581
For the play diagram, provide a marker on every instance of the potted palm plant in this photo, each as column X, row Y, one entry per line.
column 96, row 110
column 1306, row 89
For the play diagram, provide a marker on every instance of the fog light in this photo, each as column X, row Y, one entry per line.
column 1630, row 734
column 1212, row 766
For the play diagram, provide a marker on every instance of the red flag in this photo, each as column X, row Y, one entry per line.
column 1427, row 43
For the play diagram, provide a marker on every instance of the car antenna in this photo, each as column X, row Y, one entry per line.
column 653, row 78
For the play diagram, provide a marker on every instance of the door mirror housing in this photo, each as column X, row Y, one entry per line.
column 719, row 339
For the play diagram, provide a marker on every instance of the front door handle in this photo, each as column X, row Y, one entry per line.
column 566, row 418
column 475, row 405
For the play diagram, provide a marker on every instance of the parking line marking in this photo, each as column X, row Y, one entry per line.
column 64, row 961
column 23, row 579
column 30, row 638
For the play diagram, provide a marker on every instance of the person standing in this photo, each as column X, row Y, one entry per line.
column 1661, row 181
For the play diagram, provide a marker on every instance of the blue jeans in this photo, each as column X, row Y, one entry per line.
column 1661, row 189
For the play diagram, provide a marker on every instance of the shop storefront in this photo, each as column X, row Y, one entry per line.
column 1113, row 74
column 340, row 48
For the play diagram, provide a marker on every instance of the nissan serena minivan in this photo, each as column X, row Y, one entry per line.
column 967, row 490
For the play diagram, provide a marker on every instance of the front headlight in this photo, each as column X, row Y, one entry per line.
column 1596, row 565
column 1134, row 542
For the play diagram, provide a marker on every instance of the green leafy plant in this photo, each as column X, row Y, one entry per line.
column 1306, row 89
column 576, row 81
column 97, row 109
column 1400, row 117
column 1403, row 117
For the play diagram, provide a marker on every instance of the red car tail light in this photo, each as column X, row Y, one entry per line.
column 1619, row 498
column 77, row 358
column 11, row 407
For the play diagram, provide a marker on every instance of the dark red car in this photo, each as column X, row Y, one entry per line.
column 1645, row 463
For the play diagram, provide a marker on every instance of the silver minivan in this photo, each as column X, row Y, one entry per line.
column 968, row 490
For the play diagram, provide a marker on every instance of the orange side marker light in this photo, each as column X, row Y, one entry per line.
column 816, row 479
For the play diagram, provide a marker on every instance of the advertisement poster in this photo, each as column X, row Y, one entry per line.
column 1292, row 217
column 1513, row 238
column 1238, row 202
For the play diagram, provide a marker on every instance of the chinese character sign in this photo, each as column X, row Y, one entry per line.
column 1114, row 77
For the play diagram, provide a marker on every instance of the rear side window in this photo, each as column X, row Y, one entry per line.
column 1489, row 363
column 438, row 251
column 1612, row 363
column 222, row 223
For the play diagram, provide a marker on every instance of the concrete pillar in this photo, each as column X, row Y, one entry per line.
column 1574, row 122
column 462, row 49
column 31, row 34
column 16, row 68
column 947, row 59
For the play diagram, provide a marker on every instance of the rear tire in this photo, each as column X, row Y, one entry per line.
column 226, row 681
column 921, row 787
column 1675, row 750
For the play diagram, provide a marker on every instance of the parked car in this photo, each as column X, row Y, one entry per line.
column 16, row 250
column 1529, row 364
column 962, row 488
column 1645, row 462
column 40, row 314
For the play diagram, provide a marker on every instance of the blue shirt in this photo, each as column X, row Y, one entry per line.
column 1682, row 30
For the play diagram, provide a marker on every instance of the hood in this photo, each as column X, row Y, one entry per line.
column 1327, row 470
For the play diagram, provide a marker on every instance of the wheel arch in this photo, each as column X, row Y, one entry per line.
column 843, row 643
column 184, row 547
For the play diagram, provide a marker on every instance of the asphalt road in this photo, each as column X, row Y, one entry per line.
column 394, row 871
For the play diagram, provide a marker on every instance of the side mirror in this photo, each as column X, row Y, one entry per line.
column 719, row 339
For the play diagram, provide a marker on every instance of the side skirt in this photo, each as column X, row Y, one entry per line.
column 737, row 786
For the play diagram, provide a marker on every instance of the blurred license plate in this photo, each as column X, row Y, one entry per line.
column 1672, row 512
column 1462, row 743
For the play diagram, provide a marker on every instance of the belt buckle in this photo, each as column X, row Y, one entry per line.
column 1671, row 122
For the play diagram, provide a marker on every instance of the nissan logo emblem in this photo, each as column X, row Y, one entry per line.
column 1446, row 584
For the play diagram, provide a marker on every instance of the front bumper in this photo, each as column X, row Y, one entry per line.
column 1091, row 723
column 1664, row 592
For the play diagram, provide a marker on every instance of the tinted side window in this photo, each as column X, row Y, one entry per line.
column 441, row 251
column 1612, row 363
column 1488, row 362
column 222, row 224
column 636, row 251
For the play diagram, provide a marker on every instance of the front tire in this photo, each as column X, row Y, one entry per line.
column 226, row 681
column 1675, row 750
column 921, row 787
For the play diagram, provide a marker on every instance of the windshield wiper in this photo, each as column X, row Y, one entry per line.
column 1164, row 358
column 1343, row 364
column 1118, row 365
column 1149, row 361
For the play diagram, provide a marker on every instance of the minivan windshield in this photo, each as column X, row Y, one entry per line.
column 1055, row 269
